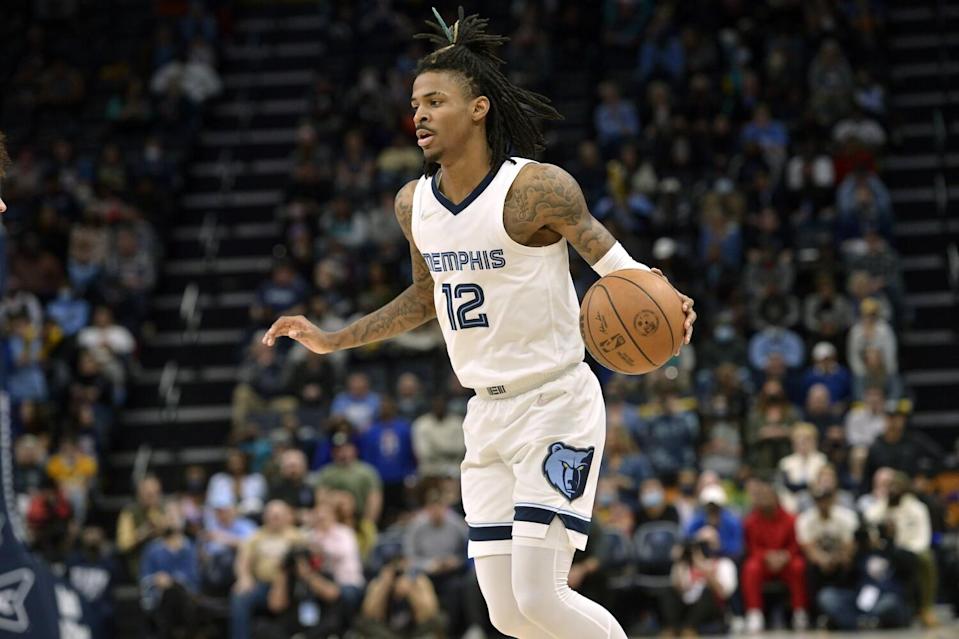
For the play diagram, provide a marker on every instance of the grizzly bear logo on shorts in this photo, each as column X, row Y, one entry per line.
column 566, row 468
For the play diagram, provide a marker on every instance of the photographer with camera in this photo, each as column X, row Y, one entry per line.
column 878, row 595
column 319, row 584
column 400, row 603
column 905, row 519
column 702, row 580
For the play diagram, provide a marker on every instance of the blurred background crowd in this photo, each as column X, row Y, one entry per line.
column 766, row 476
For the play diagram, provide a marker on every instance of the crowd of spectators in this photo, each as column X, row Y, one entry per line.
column 96, row 171
column 767, row 475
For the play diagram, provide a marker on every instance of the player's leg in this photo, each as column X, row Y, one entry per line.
column 487, row 484
column 495, row 575
column 556, row 446
column 539, row 578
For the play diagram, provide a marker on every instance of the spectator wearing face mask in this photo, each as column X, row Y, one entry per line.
column 907, row 521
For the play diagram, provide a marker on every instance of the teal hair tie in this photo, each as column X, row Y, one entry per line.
column 446, row 29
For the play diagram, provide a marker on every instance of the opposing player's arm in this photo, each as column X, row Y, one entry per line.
column 411, row 308
column 549, row 197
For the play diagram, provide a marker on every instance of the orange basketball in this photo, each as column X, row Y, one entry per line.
column 632, row 321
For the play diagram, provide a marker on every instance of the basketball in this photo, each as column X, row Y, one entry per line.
column 632, row 321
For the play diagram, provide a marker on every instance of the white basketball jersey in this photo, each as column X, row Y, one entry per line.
column 509, row 312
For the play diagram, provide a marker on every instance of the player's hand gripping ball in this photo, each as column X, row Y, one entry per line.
column 633, row 321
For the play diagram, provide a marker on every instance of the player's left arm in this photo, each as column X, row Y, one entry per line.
column 549, row 197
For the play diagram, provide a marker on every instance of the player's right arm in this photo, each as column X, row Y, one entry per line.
column 411, row 308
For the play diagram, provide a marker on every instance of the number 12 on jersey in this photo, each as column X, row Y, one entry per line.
column 457, row 315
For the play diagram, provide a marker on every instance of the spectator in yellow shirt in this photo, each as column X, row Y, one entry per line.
column 74, row 471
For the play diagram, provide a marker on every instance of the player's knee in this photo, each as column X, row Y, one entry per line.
column 535, row 603
column 506, row 618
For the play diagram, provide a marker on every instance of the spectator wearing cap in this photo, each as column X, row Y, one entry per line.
column 871, row 331
column 905, row 519
column 714, row 514
column 703, row 580
column 899, row 448
column 224, row 533
column 826, row 533
column 772, row 554
column 827, row 370
column 356, row 477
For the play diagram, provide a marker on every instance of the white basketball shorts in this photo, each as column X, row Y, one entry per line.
column 530, row 458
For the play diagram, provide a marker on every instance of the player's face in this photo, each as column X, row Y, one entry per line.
column 443, row 113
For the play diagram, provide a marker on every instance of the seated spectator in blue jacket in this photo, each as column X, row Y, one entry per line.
column 285, row 293
column 827, row 370
column 170, row 578
column 358, row 404
column 224, row 533
column 388, row 447
column 670, row 438
column 714, row 513
column 69, row 311
column 24, row 353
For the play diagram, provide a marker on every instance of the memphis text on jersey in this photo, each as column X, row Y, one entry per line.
column 464, row 260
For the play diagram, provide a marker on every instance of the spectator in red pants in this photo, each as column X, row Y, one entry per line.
column 772, row 553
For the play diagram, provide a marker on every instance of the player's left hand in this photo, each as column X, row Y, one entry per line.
column 687, row 308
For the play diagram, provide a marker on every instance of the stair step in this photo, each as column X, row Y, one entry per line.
column 933, row 315
column 210, row 346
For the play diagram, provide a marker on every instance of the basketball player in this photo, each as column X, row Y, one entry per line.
column 488, row 237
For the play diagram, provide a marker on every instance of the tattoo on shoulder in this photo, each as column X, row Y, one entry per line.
column 546, row 196
column 403, row 206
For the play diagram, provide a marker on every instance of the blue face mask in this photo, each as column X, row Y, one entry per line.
column 651, row 500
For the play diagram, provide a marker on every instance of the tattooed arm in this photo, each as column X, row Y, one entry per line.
column 411, row 308
column 545, row 201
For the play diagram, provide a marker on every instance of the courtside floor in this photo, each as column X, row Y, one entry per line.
column 947, row 631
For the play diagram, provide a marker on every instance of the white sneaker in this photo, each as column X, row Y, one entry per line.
column 737, row 626
column 800, row 620
column 755, row 622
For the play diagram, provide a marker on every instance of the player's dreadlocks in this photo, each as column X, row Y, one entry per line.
column 513, row 120
column 4, row 157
